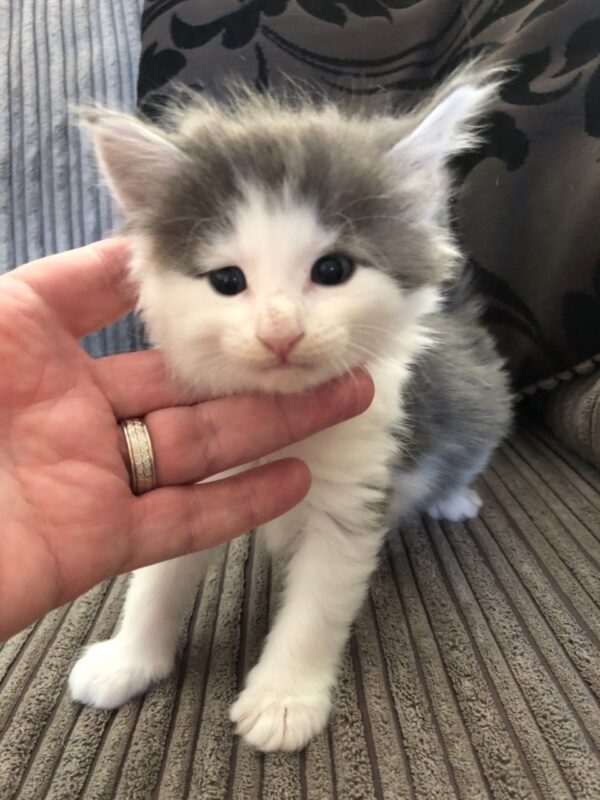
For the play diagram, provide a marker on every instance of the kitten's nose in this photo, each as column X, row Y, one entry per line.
column 282, row 346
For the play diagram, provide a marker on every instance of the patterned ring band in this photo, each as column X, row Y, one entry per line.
column 141, row 456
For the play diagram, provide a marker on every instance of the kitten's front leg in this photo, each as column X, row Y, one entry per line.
column 109, row 673
column 287, row 698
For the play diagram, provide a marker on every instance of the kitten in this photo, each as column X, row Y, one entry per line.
column 278, row 243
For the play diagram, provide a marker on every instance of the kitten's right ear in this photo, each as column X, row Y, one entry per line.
column 131, row 154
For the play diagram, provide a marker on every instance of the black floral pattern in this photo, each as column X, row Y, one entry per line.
column 502, row 140
column 528, row 198
column 158, row 68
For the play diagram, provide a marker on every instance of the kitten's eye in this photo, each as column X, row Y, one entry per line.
column 332, row 269
column 227, row 280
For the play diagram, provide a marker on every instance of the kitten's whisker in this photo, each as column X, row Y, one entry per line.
column 212, row 365
column 361, row 351
column 368, row 326
column 394, row 217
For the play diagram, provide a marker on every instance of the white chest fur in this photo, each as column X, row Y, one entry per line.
column 350, row 463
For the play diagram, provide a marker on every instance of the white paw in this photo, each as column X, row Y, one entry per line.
column 463, row 505
column 271, row 718
column 109, row 673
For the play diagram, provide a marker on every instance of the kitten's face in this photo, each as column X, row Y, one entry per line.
column 276, row 301
column 276, row 248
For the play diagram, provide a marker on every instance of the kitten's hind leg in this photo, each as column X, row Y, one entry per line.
column 462, row 504
column 109, row 673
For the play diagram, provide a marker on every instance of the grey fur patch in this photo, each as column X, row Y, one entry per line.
column 330, row 157
column 458, row 403
column 379, row 507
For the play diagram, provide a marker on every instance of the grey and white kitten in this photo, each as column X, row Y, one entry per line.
column 277, row 244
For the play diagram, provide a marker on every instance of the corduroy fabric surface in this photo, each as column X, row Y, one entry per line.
column 573, row 412
column 54, row 56
column 473, row 672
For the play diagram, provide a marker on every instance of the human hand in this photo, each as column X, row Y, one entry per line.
column 68, row 518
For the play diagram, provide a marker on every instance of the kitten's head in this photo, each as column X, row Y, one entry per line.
column 278, row 244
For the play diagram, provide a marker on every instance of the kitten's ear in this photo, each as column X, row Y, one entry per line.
column 134, row 157
column 446, row 126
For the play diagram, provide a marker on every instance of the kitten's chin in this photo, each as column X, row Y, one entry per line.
column 290, row 383
column 291, row 380
column 241, row 378
column 285, row 379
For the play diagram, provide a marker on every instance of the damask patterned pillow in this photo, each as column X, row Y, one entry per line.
column 528, row 200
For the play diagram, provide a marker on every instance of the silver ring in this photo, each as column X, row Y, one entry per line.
column 141, row 456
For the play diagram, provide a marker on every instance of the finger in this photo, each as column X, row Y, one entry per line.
column 194, row 442
column 87, row 288
column 137, row 383
column 178, row 520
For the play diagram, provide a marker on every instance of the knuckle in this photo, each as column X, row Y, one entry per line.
column 194, row 522
column 208, row 438
column 249, row 502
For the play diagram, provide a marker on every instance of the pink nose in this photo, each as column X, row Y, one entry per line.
column 282, row 346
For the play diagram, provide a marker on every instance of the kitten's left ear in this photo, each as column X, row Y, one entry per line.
column 135, row 157
column 447, row 126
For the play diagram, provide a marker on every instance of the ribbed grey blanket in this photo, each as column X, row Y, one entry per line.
column 54, row 56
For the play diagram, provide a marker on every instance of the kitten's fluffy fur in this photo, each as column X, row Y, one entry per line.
column 272, row 185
